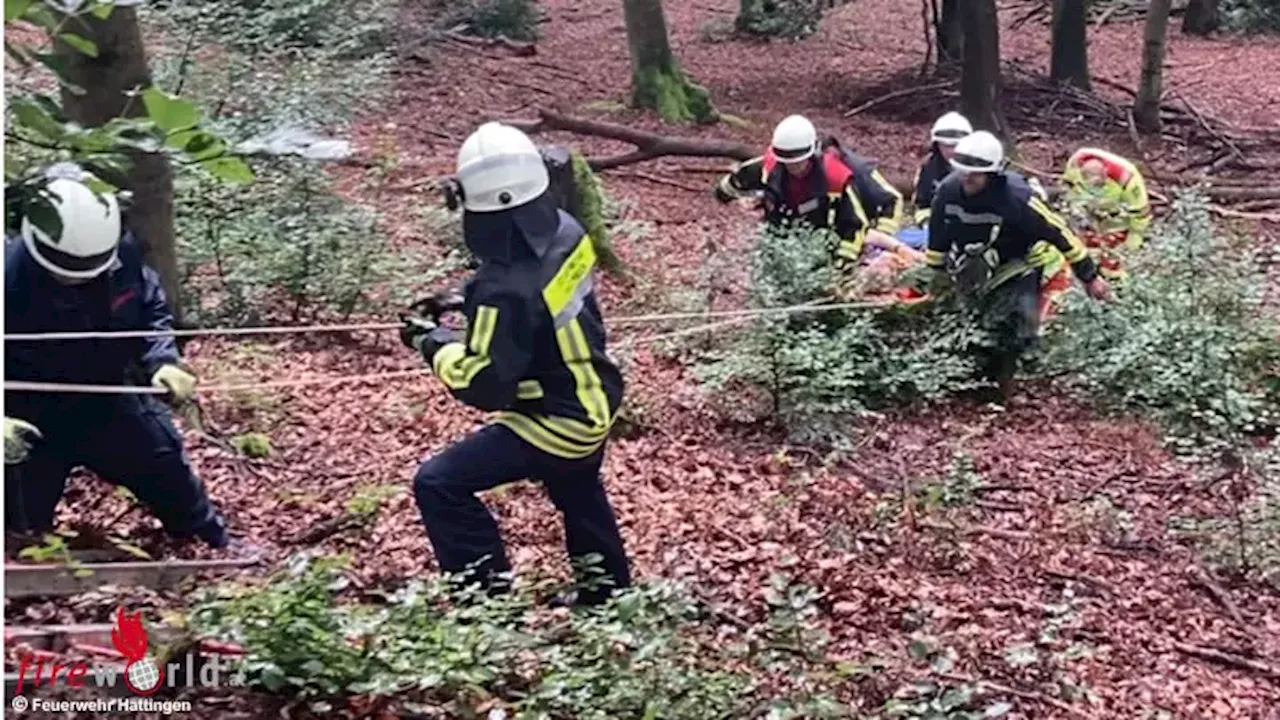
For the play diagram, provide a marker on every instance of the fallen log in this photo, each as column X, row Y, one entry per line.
column 648, row 145
column 21, row 580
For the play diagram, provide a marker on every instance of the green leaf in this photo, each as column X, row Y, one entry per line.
column 199, row 144
column 32, row 116
column 230, row 170
column 169, row 112
column 998, row 709
column 14, row 9
column 83, row 44
column 918, row 649
column 44, row 216
column 102, row 10
column 41, row 15
column 132, row 549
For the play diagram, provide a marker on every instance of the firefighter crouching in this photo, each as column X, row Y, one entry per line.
column 946, row 132
column 983, row 226
column 1108, row 199
column 534, row 352
column 803, row 182
column 93, row 279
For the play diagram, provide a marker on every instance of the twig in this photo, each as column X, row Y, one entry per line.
column 519, row 49
column 1106, row 15
column 1204, row 123
column 1091, row 581
column 897, row 94
column 663, row 181
column 1201, row 579
column 977, row 530
column 1228, row 659
column 1000, row 506
column 1024, row 694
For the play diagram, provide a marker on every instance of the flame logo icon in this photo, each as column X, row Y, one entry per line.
column 141, row 675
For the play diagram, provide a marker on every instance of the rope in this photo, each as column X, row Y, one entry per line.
column 738, row 317
column 352, row 327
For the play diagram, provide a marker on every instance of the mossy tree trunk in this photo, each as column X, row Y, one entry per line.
column 657, row 82
column 1070, row 55
column 980, row 86
column 119, row 68
column 1146, row 107
column 579, row 192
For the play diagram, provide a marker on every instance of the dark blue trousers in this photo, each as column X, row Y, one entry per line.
column 127, row 440
column 465, row 535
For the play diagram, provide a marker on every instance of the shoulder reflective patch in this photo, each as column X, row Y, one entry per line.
column 529, row 390
column 968, row 218
column 572, row 283
column 808, row 206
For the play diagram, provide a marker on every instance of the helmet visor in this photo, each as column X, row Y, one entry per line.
column 949, row 136
column 793, row 155
column 67, row 265
column 973, row 163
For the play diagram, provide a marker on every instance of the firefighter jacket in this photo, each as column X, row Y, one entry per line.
column 880, row 199
column 828, row 200
column 534, row 349
column 1120, row 204
column 930, row 175
column 1002, row 224
column 128, row 296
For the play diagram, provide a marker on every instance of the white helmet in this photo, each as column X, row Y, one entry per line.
column 90, row 232
column 794, row 139
column 499, row 168
column 980, row 152
column 950, row 128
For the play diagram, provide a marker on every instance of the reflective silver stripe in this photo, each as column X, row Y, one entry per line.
column 576, row 300
column 969, row 218
column 808, row 206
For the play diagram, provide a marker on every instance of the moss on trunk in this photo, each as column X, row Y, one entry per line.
column 668, row 90
column 589, row 209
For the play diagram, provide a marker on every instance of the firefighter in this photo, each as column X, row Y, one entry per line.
column 946, row 132
column 1109, row 197
column 93, row 278
column 534, row 352
column 801, row 183
column 984, row 224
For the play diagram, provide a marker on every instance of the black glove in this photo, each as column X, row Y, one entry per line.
column 415, row 330
column 721, row 194
column 437, row 338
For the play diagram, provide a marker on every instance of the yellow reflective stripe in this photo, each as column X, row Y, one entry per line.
column 577, row 357
column 576, row 267
column 922, row 216
column 1078, row 250
column 460, row 365
column 573, row 430
column 446, row 357
column 934, row 258
column 528, row 390
column 850, row 249
column 891, row 223
column 1007, row 272
column 542, row 438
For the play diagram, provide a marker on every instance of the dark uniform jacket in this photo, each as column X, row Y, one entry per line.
column 535, row 343
column 829, row 202
column 880, row 199
column 1007, row 218
column 128, row 296
column 930, row 175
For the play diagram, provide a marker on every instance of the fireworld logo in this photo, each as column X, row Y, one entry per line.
column 141, row 674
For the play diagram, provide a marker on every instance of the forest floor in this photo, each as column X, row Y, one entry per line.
column 1085, row 521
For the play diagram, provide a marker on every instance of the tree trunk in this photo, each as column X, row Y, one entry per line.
column 657, row 82
column 980, row 81
column 950, row 33
column 1070, row 57
column 120, row 67
column 1201, row 17
column 1146, row 107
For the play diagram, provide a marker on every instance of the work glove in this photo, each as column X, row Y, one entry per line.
column 180, row 383
column 18, row 437
column 426, row 336
column 721, row 194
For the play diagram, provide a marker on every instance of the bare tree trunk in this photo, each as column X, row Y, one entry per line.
column 657, row 82
column 980, row 81
column 1070, row 56
column 1146, row 107
column 1201, row 17
column 950, row 33
column 120, row 67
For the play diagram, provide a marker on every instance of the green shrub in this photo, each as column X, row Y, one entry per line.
column 1251, row 15
column 339, row 27
column 790, row 19
column 1187, row 346
column 819, row 370
column 514, row 19
column 285, row 248
column 643, row 655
